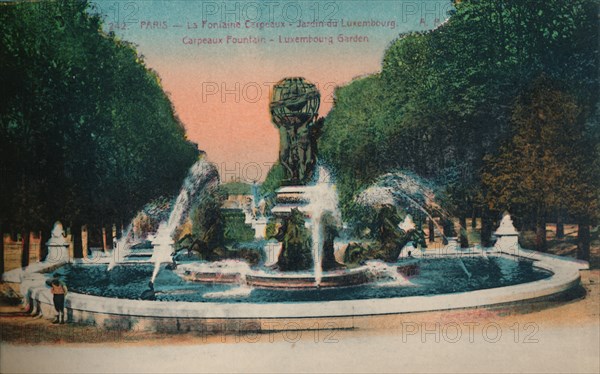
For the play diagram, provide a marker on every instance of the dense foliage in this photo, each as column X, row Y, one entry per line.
column 451, row 103
column 87, row 134
column 236, row 230
column 545, row 167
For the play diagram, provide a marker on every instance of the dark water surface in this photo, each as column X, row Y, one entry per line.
column 437, row 276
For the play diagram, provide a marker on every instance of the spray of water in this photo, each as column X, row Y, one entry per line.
column 322, row 197
column 163, row 249
column 404, row 189
column 201, row 178
column 223, row 267
column 386, row 275
column 464, row 268
column 121, row 249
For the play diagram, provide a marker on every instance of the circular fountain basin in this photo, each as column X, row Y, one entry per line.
column 112, row 299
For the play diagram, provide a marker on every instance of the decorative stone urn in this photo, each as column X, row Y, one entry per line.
column 508, row 236
column 58, row 246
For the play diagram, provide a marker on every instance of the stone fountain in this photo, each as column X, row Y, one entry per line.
column 306, row 205
column 306, row 212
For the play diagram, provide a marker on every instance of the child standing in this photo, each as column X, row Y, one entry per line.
column 59, row 291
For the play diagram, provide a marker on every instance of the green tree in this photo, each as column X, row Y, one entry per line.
column 444, row 99
column 543, row 165
column 87, row 135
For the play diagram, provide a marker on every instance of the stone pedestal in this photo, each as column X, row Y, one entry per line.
column 508, row 236
column 58, row 245
column 288, row 198
column 291, row 198
column 58, row 253
column 260, row 228
column 272, row 251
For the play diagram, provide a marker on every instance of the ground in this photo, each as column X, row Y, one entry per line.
column 558, row 335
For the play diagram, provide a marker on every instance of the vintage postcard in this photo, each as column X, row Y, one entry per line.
column 274, row 186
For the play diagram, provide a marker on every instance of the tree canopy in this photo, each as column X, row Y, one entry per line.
column 87, row 134
column 448, row 99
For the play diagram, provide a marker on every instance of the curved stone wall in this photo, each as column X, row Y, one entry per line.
column 184, row 316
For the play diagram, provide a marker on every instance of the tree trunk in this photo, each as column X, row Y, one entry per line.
column 44, row 237
column 486, row 228
column 109, row 236
column 13, row 233
column 446, row 230
column 540, row 233
column 77, row 240
column 560, row 227
column 431, row 230
column 104, row 243
column 464, row 240
column 25, row 251
column 474, row 219
column 583, row 239
column 118, row 231
column 449, row 229
column 3, row 229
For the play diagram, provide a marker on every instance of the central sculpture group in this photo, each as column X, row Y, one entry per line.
column 294, row 110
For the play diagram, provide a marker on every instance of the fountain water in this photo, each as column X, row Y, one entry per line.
column 163, row 249
column 121, row 249
column 322, row 198
column 386, row 275
column 201, row 177
column 403, row 188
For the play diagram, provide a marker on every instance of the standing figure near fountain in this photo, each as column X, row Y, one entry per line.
column 59, row 292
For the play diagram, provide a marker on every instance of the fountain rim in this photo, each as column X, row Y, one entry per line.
column 565, row 275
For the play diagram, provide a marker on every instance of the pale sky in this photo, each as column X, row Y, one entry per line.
column 221, row 91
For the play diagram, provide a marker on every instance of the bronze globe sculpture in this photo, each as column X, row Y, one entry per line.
column 294, row 109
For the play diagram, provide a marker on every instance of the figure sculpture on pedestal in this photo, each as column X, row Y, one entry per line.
column 294, row 110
